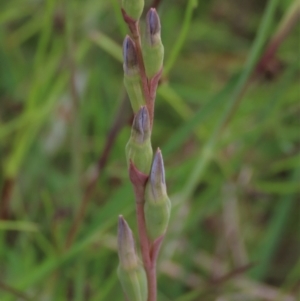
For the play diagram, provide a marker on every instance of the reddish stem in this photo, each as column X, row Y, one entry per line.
column 149, row 264
column 144, row 242
column 133, row 26
column 284, row 29
column 152, row 283
column 149, row 251
column 139, row 181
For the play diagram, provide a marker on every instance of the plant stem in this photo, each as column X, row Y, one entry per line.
column 287, row 24
column 137, row 40
column 146, row 90
column 144, row 242
column 149, row 264
column 148, row 94
column 151, row 274
column 152, row 285
column 149, row 250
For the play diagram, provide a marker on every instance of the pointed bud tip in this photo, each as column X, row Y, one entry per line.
column 153, row 21
column 126, row 246
column 123, row 229
column 121, row 221
column 157, row 203
column 157, row 171
column 129, row 54
column 153, row 49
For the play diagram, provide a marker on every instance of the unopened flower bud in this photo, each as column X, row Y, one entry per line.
column 138, row 148
column 153, row 49
column 157, row 203
column 133, row 8
column 126, row 247
column 131, row 273
column 132, row 79
column 130, row 57
column 153, row 27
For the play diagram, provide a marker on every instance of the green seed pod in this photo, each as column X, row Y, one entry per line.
column 153, row 49
column 130, row 271
column 132, row 79
column 138, row 148
column 133, row 8
column 157, row 203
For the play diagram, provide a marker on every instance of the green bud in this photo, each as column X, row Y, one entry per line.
column 133, row 8
column 138, row 148
column 132, row 79
column 130, row 271
column 157, row 203
column 153, row 49
column 134, row 283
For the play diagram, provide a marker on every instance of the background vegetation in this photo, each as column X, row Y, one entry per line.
column 227, row 121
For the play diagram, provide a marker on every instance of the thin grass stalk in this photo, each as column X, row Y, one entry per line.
column 237, row 94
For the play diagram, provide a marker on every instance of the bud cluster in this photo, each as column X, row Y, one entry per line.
column 143, row 61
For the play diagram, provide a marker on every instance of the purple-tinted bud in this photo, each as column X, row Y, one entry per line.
column 130, row 57
column 126, row 246
column 132, row 79
column 138, row 149
column 152, row 47
column 157, row 203
column 157, row 177
column 153, row 27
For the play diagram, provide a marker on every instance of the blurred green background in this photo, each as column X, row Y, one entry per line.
column 227, row 121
